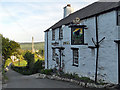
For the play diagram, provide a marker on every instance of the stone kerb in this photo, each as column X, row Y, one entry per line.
column 83, row 84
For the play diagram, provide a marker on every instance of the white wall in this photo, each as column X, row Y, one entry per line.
column 108, row 65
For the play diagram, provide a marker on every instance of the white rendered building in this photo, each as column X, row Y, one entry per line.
column 81, row 46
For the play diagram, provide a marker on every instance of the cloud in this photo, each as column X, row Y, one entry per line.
column 22, row 19
column 47, row 1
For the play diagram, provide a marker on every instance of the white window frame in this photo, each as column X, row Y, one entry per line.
column 75, row 57
column 60, row 33
column 53, row 34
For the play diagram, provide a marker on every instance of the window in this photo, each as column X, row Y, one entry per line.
column 118, row 17
column 75, row 57
column 60, row 33
column 53, row 54
column 77, row 36
column 53, row 34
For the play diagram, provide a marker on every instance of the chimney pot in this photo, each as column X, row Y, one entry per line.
column 68, row 5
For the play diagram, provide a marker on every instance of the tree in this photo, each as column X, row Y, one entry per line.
column 0, row 50
column 29, row 57
column 8, row 47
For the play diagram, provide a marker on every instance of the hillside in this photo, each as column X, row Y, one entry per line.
column 28, row 46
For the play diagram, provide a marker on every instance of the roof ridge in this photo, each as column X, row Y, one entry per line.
column 88, row 11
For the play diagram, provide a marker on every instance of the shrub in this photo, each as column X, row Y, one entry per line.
column 47, row 71
column 37, row 66
column 86, row 79
column 29, row 57
column 28, row 71
column 22, row 70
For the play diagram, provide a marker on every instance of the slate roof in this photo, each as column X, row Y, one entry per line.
column 86, row 12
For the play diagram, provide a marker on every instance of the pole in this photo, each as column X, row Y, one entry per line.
column 47, row 51
column 97, row 46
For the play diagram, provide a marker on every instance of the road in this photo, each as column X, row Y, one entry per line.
column 17, row 80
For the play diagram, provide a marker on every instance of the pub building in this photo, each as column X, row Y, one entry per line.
column 86, row 42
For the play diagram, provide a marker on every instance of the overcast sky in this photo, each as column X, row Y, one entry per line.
column 22, row 19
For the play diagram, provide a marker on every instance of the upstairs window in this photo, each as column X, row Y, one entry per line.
column 53, row 34
column 53, row 54
column 118, row 17
column 77, row 35
column 75, row 57
column 60, row 33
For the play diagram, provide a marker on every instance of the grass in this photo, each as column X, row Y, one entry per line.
column 37, row 66
column 8, row 61
column 28, row 46
column 22, row 63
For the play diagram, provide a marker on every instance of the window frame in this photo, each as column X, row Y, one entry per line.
column 53, row 34
column 75, row 57
column 60, row 33
column 118, row 16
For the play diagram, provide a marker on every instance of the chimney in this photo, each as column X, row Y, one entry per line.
column 68, row 10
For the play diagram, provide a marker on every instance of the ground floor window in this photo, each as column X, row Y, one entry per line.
column 75, row 57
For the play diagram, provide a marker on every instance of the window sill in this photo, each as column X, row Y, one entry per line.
column 75, row 65
column 60, row 38
column 117, row 41
column 80, row 44
column 92, row 47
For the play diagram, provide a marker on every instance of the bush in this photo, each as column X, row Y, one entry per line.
column 86, row 79
column 37, row 66
column 76, row 77
column 47, row 71
column 29, row 57
column 22, row 70
column 29, row 71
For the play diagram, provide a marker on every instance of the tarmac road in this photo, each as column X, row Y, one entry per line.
column 17, row 80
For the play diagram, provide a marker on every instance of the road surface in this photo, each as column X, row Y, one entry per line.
column 17, row 80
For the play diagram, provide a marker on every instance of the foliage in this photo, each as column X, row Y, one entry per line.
column 4, row 77
column 21, row 63
column 0, row 44
column 22, row 70
column 40, row 52
column 47, row 71
column 29, row 57
column 8, row 61
column 37, row 66
column 26, row 71
column 75, row 77
column 28, row 46
column 8, row 47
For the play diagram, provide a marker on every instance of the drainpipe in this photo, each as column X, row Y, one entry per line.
column 119, row 64
column 97, row 47
column 47, row 51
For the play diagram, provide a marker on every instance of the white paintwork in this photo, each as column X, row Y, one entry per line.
column 67, row 11
column 108, row 54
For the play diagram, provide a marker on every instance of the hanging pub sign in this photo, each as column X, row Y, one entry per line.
column 77, row 36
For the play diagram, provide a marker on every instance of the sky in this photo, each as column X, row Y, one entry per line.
column 22, row 19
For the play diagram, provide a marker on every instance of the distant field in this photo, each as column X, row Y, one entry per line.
column 28, row 46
